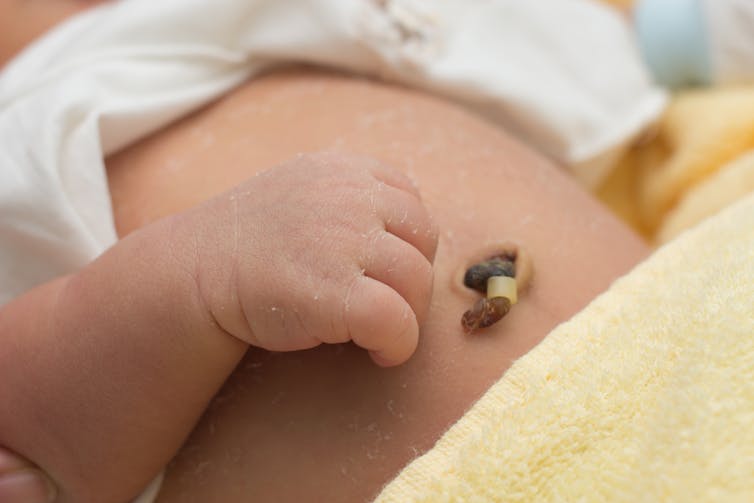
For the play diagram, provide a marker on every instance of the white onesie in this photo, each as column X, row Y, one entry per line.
column 564, row 76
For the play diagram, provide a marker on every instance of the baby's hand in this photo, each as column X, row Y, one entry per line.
column 325, row 248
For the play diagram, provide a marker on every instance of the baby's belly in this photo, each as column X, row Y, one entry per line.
column 327, row 424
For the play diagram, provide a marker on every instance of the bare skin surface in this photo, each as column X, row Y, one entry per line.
column 327, row 424
column 22, row 21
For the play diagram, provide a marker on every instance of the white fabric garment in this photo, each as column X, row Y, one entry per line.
column 562, row 75
column 730, row 26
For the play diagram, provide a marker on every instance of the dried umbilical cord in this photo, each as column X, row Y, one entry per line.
column 498, row 278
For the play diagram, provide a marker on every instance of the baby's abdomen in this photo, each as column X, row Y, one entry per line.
column 327, row 424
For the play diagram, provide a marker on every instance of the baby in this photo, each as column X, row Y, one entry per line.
column 110, row 367
column 321, row 249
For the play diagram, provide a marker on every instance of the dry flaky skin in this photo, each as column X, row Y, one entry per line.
column 256, row 436
column 484, row 313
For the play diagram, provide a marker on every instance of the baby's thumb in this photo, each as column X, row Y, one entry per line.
column 21, row 483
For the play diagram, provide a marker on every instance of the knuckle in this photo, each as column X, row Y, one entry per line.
column 401, row 314
column 405, row 328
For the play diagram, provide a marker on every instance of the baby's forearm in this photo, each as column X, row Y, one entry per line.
column 106, row 371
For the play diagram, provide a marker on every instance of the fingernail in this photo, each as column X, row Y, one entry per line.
column 26, row 486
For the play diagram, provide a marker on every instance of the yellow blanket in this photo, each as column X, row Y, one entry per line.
column 647, row 394
column 701, row 160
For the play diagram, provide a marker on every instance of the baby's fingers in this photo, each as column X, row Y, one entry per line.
column 380, row 320
column 20, row 482
column 405, row 216
column 403, row 268
column 392, row 177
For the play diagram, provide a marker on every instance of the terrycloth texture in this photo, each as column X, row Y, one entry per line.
column 646, row 395
column 695, row 165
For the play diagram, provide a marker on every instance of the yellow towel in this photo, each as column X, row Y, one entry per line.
column 646, row 395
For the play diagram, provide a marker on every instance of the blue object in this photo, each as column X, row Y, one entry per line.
column 674, row 41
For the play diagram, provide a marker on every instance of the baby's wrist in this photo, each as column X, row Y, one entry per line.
column 136, row 311
column 198, row 248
